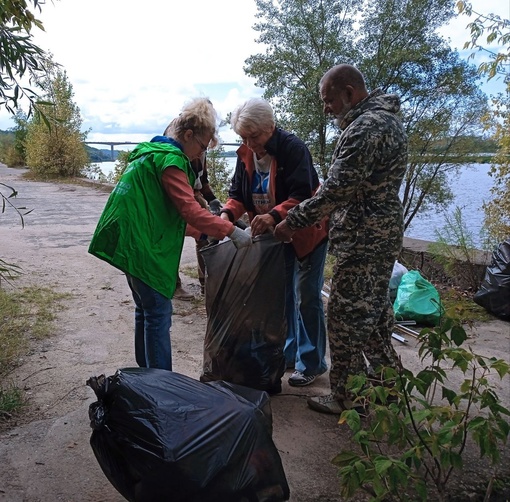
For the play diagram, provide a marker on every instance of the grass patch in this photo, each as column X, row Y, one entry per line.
column 26, row 314
column 190, row 271
column 81, row 181
column 11, row 399
column 462, row 303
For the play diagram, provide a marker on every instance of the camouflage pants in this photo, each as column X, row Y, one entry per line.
column 360, row 317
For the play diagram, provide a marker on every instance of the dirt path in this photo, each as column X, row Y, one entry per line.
column 47, row 457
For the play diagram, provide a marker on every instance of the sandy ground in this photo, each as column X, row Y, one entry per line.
column 46, row 456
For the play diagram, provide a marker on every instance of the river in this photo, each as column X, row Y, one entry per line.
column 471, row 189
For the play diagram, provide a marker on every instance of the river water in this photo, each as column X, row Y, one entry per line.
column 471, row 189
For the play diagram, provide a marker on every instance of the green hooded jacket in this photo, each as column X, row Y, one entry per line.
column 140, row 230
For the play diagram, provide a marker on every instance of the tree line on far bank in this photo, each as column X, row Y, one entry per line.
column 482, row 150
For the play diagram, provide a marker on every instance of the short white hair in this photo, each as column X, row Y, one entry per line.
column 253, row 116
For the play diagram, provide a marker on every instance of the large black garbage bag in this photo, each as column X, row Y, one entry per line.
column 494, row 292
column 246, row 324
column 163, row 437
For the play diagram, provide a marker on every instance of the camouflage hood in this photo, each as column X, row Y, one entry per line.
column 374, row 102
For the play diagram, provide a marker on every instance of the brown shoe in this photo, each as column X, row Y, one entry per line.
column 182, row 294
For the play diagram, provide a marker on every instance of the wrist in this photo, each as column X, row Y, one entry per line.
column 228, row 213
column 276, row 217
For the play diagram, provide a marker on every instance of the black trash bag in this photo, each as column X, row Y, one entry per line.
column 494, row 292
column 163, row 437
column 246, row 323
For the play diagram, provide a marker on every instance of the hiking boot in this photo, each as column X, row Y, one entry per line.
column 181, row 294
column 299, row 379
column 328, row 404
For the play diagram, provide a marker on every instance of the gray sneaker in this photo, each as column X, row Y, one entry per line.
column 328, row 404
column 298, row 379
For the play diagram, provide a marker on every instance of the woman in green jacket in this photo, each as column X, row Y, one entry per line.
column 151, row 209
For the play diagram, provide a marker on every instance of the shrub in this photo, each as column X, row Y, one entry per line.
column 419, row 425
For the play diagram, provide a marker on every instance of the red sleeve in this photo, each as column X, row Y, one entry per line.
column 177, row 187
column 235, row 207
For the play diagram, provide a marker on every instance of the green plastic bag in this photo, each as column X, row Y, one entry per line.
column 417, row 300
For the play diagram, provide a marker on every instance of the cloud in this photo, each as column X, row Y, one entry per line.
column 133, row 65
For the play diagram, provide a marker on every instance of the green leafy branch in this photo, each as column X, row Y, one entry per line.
column 418, row 426
column 9, row 270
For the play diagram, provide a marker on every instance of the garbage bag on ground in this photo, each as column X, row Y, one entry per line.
column 417, row 300
column 246, row 323
column 164, row 437
column 396, row 276
column 494, row 292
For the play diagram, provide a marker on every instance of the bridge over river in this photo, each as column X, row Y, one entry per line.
column 112, row 144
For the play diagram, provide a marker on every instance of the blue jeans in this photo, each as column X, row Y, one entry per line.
column 305, row 346
column 153, row 320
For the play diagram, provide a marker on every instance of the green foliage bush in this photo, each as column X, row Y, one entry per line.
column 419, row 425
column 54, row 142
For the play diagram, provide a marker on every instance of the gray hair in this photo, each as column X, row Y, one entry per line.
column 253, row 116
column 198, row 115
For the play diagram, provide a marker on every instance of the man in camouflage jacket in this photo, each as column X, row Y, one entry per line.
column 361, row 197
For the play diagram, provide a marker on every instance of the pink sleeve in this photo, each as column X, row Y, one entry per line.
column 199, row 220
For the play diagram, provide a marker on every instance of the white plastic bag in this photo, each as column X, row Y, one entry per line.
column 396, row 276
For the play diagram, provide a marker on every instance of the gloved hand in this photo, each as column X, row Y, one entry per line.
column 240, row 238
column 215, row 207
column 241, row 224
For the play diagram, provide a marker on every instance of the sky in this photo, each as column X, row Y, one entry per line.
column 133, row 65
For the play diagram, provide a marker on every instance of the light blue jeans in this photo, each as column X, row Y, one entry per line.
column 153, row 320
column 305, row 347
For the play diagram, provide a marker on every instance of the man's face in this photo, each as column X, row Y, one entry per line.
column 335, row 102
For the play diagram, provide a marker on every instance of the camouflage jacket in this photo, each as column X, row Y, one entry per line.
column 361, row 192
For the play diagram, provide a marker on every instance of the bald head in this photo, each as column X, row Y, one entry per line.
column 343, row 75
column 341, row 88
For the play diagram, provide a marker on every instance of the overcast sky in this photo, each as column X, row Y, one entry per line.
column 133, row 64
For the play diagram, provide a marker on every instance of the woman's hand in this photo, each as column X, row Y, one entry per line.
column 261, row 224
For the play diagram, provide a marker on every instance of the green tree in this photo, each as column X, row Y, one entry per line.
column 441, row 100
column 57, row 150
column 19, row 56
column 15, row 155
column 396, row 47
column 6, row 143
column 218, row 173
column 303, row 39
column 497, row 210
column 487, row 29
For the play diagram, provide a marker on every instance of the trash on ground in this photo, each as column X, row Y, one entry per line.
column 161, row 436
column 494, row 292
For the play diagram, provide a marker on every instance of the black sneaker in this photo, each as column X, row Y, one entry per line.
column 298, row 379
